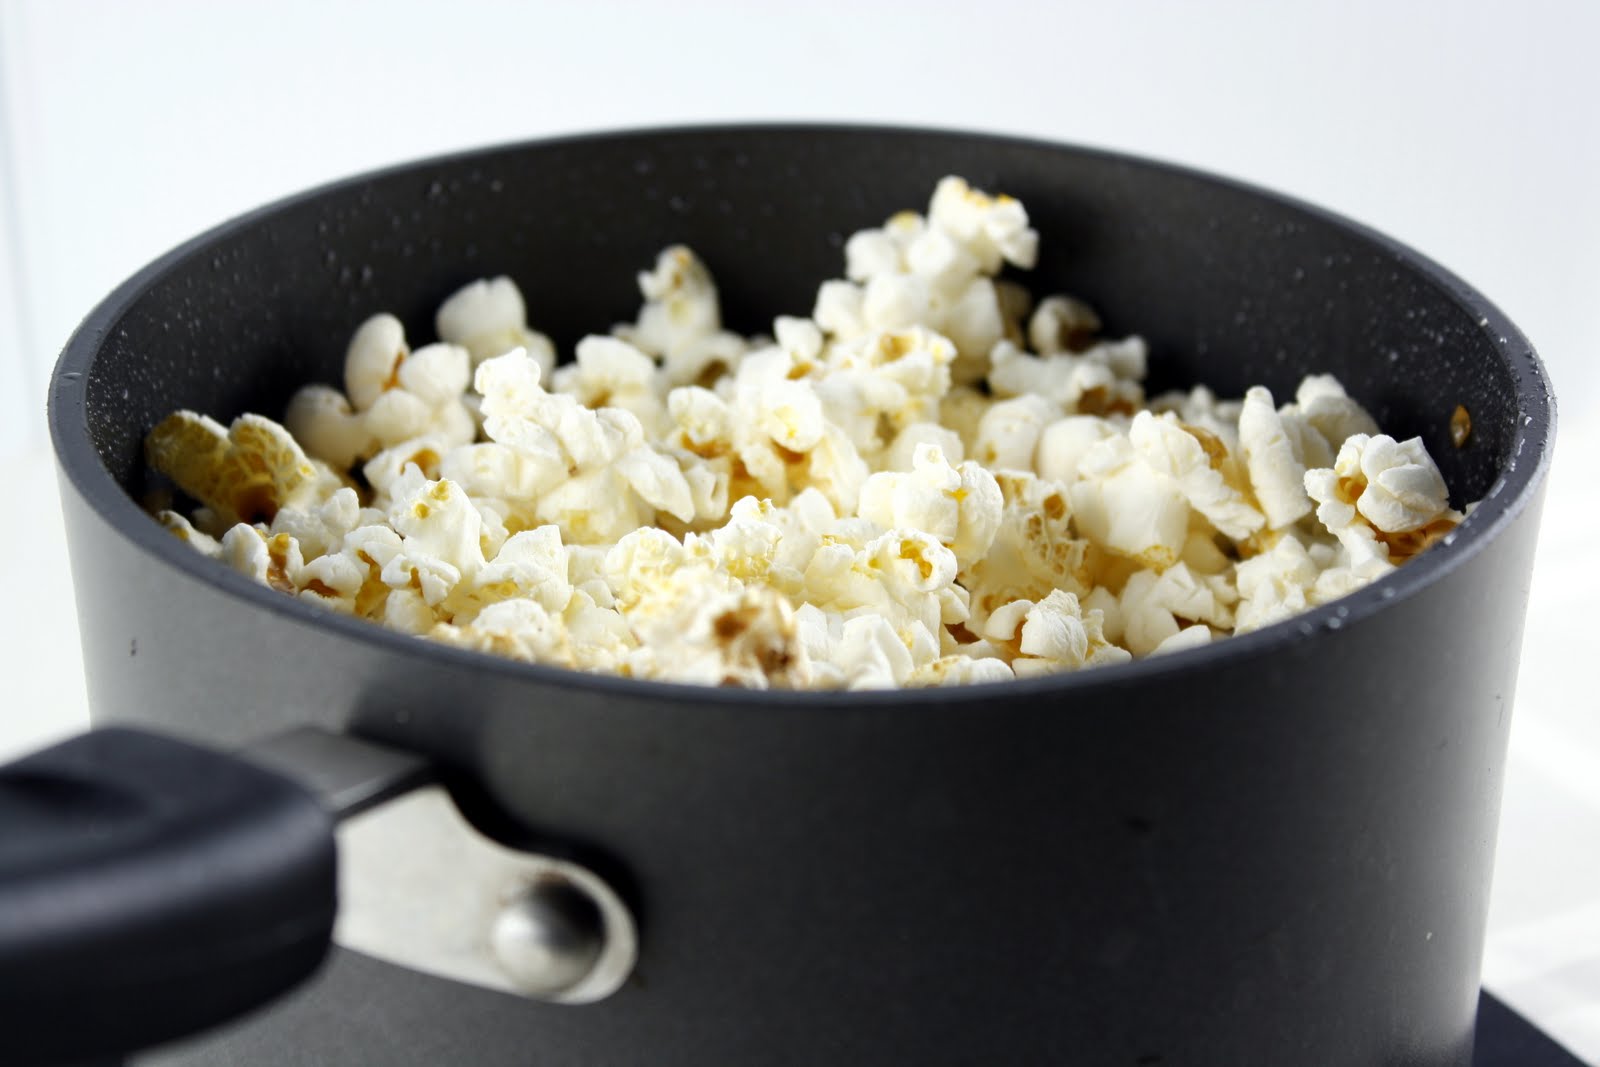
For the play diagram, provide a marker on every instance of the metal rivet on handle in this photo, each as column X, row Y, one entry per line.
column 549, row 937
column 565, row 936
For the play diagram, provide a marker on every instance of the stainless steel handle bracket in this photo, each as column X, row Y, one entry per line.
column 420, row 887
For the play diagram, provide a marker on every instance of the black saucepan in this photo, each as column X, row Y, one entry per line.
column 1274, row 850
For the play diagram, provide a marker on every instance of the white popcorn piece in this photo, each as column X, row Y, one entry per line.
column 1058, row 635
column 838, row 310
column 530, row 564
column 1275, row 585
column 321, row 419
column 1054, row 634
column 745, row 637
column 961, row 410
column 835, row 468
column 1404, row 490
column 640, row 561
column 790, row 413
column 1200, row 407
column 436, row 374
column 425, row 453
column 801, row 339
column 901, row 453
column 1109, row 606
column 600, row 638
column 273, row 561
column 939, row 257
column 869, row 253
column 1034, row 550
column 681, row 320
column 960, row 506
column 1065, row 442
column 1079, row 384
column 703, row 420
column 610, row 372
column 1164, row 444
column 489, row 318
column 321, row 528
column 518, row 629
column 595, row 507
column 1127, row 508
column 398, row 416
column 993, row 229
column 1188, row 637
column 1009, row 432
column 1384, row 500
column 744, row 549
column 895, row 302
column 658, row 481
column 334, row 581
column 1063, row 324
column 184, row 531
column 437, row 522
column 373, row 358
column 408, row 611
column 1277, row 477
column 975, row 322
column 958, row 669
column 1322, row 401
column 870, row 654
column 1156, row 606
column 491, row 469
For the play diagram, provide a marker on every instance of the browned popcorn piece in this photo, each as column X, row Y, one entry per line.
column 244, row 474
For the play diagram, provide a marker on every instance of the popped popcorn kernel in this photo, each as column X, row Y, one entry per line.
column 931, row 480
column 245, row 473
column 488, row 318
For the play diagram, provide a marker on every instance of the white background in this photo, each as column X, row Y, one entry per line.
column 1470, row 130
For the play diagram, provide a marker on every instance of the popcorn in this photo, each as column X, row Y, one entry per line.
column 1033, row 550
column 927, row 482
column 1276, row 475
column 681, row 321
column 1052, row 635
column 245, row 473
column 1322, row 402
column 1127, row 507
column 488, row 318
column 609, row 372
column 322, row 420
column 1089, row 383
column 1275, row 585
column 1010, row 430
column 960, row 506
column 1063, row 324
column 424, row 399
column 1383, row 499
column 1156, row 606
column 1065, row 442
column 1180, row 452
column 372, row 360
column 991, row 229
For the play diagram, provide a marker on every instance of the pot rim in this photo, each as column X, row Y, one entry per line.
column 80, row 465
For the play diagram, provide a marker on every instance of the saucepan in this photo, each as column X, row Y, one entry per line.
column 1273, row 849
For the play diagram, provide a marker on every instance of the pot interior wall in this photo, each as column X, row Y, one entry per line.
column 1229, row 289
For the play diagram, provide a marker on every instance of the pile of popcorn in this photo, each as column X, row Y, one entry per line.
column 933, row 480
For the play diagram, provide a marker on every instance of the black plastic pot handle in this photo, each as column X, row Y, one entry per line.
column 149, row 889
